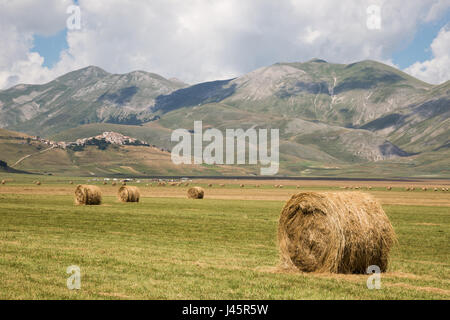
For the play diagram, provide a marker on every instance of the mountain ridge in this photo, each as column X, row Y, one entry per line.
column 363, row 112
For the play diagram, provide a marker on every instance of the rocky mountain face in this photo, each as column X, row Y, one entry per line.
column 88, row 95
column 326, row 113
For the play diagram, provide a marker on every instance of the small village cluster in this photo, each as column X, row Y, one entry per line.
column 108, row 137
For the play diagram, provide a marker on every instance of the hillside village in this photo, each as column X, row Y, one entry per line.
column 105, row 138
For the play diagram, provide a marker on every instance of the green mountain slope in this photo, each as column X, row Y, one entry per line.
column 333, row 118
column 88, row 95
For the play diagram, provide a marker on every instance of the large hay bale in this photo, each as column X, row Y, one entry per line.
column 3, row 181
column 341, row 232
column 196, row 193
column 88, row 195
column 38, row 183
column 128, row 194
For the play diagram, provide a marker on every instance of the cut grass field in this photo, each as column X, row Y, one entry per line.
column 175, row 248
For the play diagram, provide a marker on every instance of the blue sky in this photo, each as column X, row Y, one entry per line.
column 205, row 40
column 419, row 48
column 50, row 47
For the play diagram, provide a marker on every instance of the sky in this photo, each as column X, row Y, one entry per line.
column 203, row 40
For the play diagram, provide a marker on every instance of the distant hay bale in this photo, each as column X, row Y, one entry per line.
column 186, row 184
column 88, row 195
column 389, row 188
column 257, row 186
column 38, row 183
column 424, row 189
column 222, row 185
column 338, row 232
column 210, row 185
column 435, row 189
column 298, row 187
column 128, row 194
column 105, row 183
column 280, row 186
column 3, row 181
column 369, row 188
column 70, row 182
column 196, row 193
column 124, row 183
column 275, row 186
column 113, row 184
column 242, row 185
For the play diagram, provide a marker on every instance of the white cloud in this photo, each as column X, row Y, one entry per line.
column 19, row 20
column 199, row 40
column 436, row 70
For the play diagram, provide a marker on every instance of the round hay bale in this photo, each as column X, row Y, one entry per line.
column 222, row 185
column 105, row 183
column 113, row 184
column 242, row 185
column 88, row 195
column 298, row 187
column 70, row 182
column 38, row 183
column 435, row 189
column 280, row 186
column 210, row 185
column 3, row 181
column 128, row 194
column 196, row 193
column 340, row 232
column 389, row 188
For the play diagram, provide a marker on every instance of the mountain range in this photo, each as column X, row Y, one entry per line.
column 359, row 119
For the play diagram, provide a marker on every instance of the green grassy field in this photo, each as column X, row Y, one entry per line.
column 169, row 248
